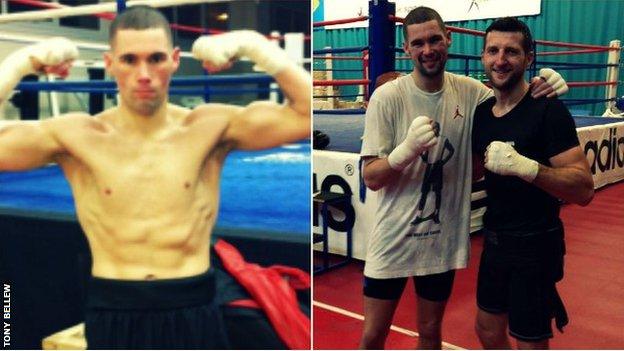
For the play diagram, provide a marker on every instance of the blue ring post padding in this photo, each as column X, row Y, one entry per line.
column 340, row 50
column 380, row 40
column 121, row 6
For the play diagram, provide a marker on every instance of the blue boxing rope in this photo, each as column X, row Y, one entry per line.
column 358, row 111
column 173, row 91
column 178, row 81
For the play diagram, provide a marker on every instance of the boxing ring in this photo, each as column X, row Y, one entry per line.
column 264, row 203
column 337, row 166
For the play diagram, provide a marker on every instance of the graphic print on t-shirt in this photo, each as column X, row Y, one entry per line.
column 433, row 181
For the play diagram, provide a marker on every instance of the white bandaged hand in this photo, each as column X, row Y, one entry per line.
column 555, row 80
column 221, row 48
column 34, row 59
column 501, row 158
column 420, row 137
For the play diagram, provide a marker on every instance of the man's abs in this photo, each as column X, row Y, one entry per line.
column 146, row 207
column 166, row 237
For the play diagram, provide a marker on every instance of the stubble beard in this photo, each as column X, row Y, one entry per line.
column 509, row 84
column 436, row 71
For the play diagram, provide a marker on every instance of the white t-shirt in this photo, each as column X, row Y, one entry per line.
column 422, row 221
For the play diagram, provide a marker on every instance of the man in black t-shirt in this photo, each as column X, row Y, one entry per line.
column 532, row 158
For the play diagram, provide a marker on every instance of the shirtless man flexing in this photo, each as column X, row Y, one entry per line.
column 145, row 174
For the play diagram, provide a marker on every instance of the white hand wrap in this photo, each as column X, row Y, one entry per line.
column 420, row 137
column 555, row 80
column 30, row 60
column 501, row 158
column 221, row 48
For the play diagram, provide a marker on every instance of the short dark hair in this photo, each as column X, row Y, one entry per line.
column 139, row 17
column 422, row 14
column 512, row 24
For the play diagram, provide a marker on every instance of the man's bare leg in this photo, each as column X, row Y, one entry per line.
column 492, row 330
column 378, row 315
column 430, row 314
column 533, row 345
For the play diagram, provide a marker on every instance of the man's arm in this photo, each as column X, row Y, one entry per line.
column 569, row 178
column 377, row 173
column 27, row 145
column 266, row 124
column 262, row 124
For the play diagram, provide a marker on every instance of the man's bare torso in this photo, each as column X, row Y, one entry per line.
column 147, row 202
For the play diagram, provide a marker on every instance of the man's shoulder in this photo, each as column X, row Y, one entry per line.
column 69, row 121
column 462, row 80
column 388, row 90
column 213, row 112
column 485, row 105
column 548, row 106
column 467, row 88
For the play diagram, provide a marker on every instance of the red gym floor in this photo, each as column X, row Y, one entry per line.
column 592, row 289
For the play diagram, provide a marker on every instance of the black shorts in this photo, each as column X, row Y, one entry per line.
column 433, row 287
column 185, row 313
column 517, row 275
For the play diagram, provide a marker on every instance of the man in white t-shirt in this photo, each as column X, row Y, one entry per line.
column 417, row 152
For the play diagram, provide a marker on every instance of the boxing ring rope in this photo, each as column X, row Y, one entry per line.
column 293, row 43
column 340, row 21
column 328, row 55
column 110, row 16
column 612, row 65
column 290, row 42
column 91, row 9
column 176, row 81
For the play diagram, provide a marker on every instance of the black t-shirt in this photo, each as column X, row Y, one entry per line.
column 538, row 129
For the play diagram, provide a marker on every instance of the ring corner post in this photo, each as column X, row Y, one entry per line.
column 381, row 39
column 613, row 60
column 121, row 6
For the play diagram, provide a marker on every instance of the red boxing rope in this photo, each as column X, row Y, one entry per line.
column 110, row 16
column 589, row 84
column 50, row 5
column 340, row 21
column 570, row 52
column 323, row 83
